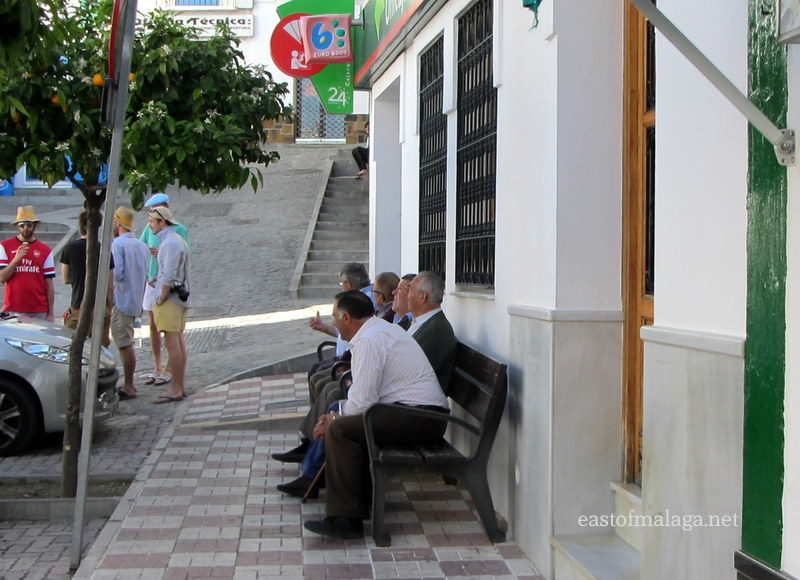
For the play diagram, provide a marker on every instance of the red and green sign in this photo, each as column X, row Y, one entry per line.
column 333, row 82
column 385, row 23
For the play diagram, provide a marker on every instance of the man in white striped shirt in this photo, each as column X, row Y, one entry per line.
column 388, row 367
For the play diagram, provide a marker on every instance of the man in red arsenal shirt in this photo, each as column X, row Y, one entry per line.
column 27, row 269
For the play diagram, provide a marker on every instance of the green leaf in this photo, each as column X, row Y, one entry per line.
column 17, row 105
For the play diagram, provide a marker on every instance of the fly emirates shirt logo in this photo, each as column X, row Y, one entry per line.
column 27, row 265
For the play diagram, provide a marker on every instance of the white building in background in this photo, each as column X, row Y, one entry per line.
column 632, row 268
column 252, row 22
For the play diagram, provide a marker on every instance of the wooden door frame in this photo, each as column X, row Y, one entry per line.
column 638, row 308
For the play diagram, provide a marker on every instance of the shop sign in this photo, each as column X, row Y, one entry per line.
column 326, row 38
column 334, row 81
column 241, row 24
column 384, row 21
column 287, row 50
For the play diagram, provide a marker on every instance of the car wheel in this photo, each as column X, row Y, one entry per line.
column 19, row 418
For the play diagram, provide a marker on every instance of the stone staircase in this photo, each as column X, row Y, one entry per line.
column 338, row 235
column 43, row 200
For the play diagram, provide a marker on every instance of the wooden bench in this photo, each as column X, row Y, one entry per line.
column 478, row 386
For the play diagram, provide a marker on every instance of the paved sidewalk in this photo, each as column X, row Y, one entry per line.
column 244, row 249
column 40, row 550
column 205, row 505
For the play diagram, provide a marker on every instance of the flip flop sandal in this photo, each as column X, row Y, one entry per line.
column 162, row 380
column 167, row 399
column 150, row 379
column 124, row 396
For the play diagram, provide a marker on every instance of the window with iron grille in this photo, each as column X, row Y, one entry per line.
column 477, row 146
column 433, row 161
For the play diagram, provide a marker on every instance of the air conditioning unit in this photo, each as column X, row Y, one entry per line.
column 244, row 4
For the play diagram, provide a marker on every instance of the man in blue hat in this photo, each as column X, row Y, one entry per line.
column 151, row 292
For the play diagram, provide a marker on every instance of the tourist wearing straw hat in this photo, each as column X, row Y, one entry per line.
column 27, row 269
column 130, row 277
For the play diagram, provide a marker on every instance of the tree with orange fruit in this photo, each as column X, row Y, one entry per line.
column 194, row 118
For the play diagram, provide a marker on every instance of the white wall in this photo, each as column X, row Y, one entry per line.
column 694, row 369
column 386, row 206
column 791, row 482
column 589, row 213
column 701, row 175
column 692, row 457
column 558, row 253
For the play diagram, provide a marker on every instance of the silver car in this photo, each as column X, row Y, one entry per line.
column 34, row 357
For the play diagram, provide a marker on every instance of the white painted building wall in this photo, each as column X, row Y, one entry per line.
column 701, row 281
column 791, row 490
column 555, row 313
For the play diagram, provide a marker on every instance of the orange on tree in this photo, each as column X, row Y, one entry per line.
column 55, row 100
column 16, row 117
column 98, row 80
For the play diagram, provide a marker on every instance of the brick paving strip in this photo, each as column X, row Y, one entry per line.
column 204, row 505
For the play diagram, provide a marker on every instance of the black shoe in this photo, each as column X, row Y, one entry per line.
column 293, row 455
column 343, row 528
column 299, row 487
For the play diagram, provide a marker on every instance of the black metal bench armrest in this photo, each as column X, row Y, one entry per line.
column 339, row 366
column 344, row 383
column 321, row 347
column 411, row 412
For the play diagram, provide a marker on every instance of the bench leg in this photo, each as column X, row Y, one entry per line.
column 478, row 486
column 379, row 479
column 450, row 480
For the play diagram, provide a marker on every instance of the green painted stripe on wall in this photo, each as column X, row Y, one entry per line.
column 762, row 524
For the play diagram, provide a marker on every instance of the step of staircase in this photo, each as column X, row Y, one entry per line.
column 343, row 215
column 320, row 279
column 323, row 267
column 343, row 256
column 340, row 234
column 318, row 292
column 340, row 245
column 594, row 557
column 344, row 233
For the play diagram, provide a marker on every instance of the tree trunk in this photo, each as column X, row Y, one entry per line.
column 72, row 426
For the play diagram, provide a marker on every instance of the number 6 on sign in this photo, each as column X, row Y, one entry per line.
column 321, row 39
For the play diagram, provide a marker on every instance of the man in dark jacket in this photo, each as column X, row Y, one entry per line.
column 430, row 328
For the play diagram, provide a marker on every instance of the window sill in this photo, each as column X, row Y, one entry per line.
column 474, row 294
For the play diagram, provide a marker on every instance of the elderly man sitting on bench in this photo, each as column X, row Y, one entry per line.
column 422, row 296
column 388, row 367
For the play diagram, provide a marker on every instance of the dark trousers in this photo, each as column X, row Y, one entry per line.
column 347, row 460
column 361, row 155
